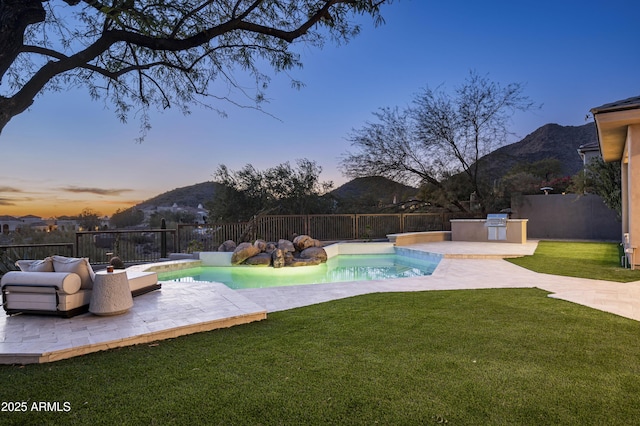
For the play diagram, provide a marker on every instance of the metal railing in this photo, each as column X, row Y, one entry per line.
column 137, row 246
column 150, row 245
column 194, row 237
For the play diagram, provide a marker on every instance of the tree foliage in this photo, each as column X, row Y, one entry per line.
column 439, row 136
column 282, row 189
column 529, row 178
column 124, row 218
column 89, row 220
column 603, row 179
column 140, row 53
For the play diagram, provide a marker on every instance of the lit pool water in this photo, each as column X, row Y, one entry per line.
column 342, row 268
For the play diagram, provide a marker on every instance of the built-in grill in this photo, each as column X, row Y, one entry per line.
column 496, row 226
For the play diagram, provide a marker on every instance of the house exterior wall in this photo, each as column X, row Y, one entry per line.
column 570, row 217
column 631, row 192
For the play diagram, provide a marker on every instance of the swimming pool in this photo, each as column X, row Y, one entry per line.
column 341, row 268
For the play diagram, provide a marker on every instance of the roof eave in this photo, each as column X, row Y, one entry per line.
column 611, row 124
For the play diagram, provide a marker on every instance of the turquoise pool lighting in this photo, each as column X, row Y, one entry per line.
column 342, row 268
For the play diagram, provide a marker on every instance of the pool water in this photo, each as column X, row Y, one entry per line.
column 342, row 268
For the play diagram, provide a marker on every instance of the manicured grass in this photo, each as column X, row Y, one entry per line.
column 499, row 357
column 600, row 261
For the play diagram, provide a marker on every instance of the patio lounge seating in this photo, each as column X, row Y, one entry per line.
column 59, row 286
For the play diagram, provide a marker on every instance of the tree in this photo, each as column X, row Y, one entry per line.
column 439, row 136
column 124, row 218
column 143, row 53
column 281, row 189
column 89, row 220
column 529, row 178
column 603, row 179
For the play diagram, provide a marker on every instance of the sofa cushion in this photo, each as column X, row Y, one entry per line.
column 80, row 266
column 44, row 265
column 32, row 282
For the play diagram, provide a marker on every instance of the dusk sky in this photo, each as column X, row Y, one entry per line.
column 68, row 152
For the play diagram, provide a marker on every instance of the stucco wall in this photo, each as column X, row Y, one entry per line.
column 570, row 216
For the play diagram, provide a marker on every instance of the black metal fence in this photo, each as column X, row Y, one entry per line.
column 150, row 245
column 135, row 246
column 193, row 237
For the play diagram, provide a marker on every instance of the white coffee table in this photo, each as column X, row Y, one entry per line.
column 111, row 294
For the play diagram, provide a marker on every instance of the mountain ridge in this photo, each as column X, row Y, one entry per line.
column 549, row 141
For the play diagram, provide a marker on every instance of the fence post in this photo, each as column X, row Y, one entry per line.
column 163, row 239
column 355, row 226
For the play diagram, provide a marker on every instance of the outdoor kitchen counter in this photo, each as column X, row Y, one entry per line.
column 477, row 230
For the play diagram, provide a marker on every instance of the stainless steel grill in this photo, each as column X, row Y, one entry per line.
column 496, row 226
column 497, row 219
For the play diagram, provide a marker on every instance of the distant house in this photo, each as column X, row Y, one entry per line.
column 9, row 224
column 35, row 223
column 618, row 125
column 589, row 151
column 67, row 224
column 199, row 213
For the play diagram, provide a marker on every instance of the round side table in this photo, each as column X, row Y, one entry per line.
column 111, row 294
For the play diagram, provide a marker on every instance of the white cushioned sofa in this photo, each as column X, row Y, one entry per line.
column 60, row 286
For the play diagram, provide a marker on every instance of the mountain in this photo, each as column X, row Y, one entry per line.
column 374, row 186
column 187, row 196
column 548, row 141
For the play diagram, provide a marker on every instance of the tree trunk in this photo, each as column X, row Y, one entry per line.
column 15, row 17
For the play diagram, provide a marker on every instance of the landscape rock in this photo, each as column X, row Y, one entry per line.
column 271, row 247
column 296, row 261
column 277, row 258
column 260, row 245
column 227, row 246
column 260, row 259
column 302, row 242
column 243, row 252
column 286, row 246
column 314, row 253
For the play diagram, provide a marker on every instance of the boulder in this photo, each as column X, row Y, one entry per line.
column 314, row 253
column 286, row 246
column 296, row 261
column 260, row 259
column 271, row 247
column 260, row 245
column 277, row 258
column 302, row 242
column 227, row 246
column 243, row 252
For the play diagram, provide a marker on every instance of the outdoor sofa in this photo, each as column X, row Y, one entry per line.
column 59, row 285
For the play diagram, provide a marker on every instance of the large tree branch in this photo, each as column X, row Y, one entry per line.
column 17, row 15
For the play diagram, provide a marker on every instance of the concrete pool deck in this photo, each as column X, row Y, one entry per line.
column 178, row 309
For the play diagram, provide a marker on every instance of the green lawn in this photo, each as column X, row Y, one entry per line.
column 599, row 261
column 498, row 357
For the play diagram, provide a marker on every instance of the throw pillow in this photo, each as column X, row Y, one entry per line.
column 80, row 266
column 44, row 265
